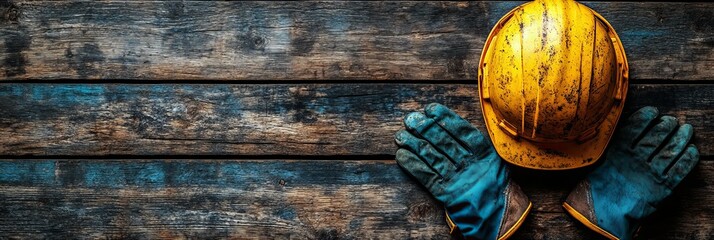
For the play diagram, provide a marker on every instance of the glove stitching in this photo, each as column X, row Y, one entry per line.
column 507, row 193
column 590, row 203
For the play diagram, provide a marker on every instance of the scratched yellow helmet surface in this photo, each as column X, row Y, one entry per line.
column 552, row 81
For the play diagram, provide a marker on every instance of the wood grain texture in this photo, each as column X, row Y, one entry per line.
column 218, row 40
column 283, row 199
column 350, row 193
column 263, row 119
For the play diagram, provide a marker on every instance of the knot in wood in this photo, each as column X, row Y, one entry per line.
column 12, row 13
column 258, row 42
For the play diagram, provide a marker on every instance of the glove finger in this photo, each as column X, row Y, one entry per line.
column 666, row 156
column 683, row 166
column 655, row 137
column 418, row 169
column 430, row 131
column 462, row 130
column 426, row 152
column 636, row 125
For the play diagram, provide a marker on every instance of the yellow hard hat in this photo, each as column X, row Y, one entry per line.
column 552, row 81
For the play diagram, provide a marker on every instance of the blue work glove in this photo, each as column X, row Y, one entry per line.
column 646, row 159
column 461, row 169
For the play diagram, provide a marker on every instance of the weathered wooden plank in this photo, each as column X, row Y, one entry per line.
column 282, row 199
column 312, row 40
column 285, row 119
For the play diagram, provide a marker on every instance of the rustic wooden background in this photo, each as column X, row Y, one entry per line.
column 213, row 119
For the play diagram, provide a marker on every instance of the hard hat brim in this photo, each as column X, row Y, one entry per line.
column 550, row 156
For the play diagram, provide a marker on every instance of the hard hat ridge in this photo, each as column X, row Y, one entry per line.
column 552, row 79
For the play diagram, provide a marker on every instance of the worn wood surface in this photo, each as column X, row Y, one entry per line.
column 198, row 158
column 209, row 40
column 282, row 199
column 259, row 120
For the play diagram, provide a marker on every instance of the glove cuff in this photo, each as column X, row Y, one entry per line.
column 579, row 204
column 516, row 208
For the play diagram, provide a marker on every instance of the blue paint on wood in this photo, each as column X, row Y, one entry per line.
column 219, row 173
column 150, row 175
column 30, row 172
column 38, row 93
column 640, row 37
column 87, row 89
column 13, row 171
column 18, row 90
column 11, row 90
column 338, row 24
column 230, row 105
column 231, row 174
column 193, row 174
column 109, row 175
column 62, row 95
column 44, row 171
column 643, row 33
column 281, row 33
